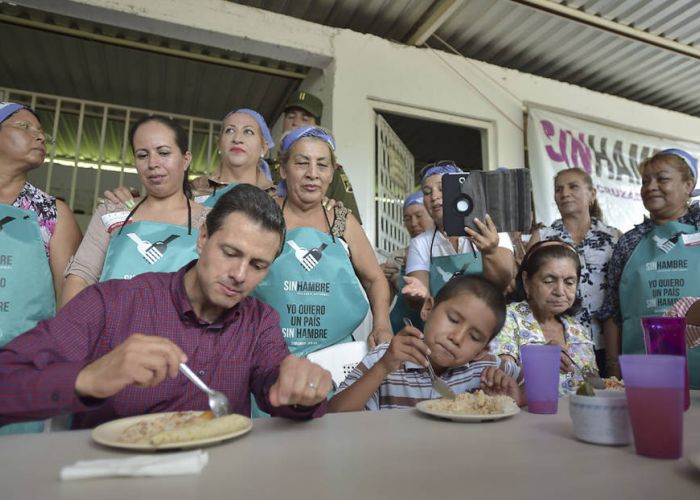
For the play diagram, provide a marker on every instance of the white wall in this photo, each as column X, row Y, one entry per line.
column 368, row 69
column 356, row 73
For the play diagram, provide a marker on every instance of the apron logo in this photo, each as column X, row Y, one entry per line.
column 446, row 276
column 5, row 220
column 663, row 244
column 152, row 252
column 307, row 258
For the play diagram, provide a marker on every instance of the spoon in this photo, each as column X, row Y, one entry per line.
column 218, row 402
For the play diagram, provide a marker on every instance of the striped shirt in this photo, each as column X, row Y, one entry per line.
column 406, row 387
column 239, row 354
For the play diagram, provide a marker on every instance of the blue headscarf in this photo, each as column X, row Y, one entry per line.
column 443, row 167
column 689, row 160
column 267, row 136
column 7, row 109
column 413, row 199
column 297, row 134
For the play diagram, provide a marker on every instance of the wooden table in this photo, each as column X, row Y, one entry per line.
column 397, row 454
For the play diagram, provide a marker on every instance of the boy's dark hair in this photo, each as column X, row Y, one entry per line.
column 255, row 203
column 481, row 288
column 534, row 259
column 181, row 139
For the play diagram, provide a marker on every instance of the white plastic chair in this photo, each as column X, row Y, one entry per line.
column 340, row 359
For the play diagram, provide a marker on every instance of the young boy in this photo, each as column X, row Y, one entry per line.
column 459, row 323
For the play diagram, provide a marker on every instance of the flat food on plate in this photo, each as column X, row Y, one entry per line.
column 477, row 403
column 182, row 427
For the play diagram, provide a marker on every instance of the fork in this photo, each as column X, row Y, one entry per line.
column 589, row 375
column 665, row 245
column 438, row 384
column 5, row 220
column 312, row 257
column 162, row 246
column 218, row 402
column 146, row 249
column 300, row 254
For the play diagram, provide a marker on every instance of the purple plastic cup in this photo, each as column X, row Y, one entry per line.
column 654, row 386
column 541, row 367
column 666, row 335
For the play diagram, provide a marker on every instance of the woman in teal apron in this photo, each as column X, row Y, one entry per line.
column 316, row 284
column 433, row 257
column 657, row 262
column 37, row 233
column 417, row 220
column 244, row 141
column 160, row 233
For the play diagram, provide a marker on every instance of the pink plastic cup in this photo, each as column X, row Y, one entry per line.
column 541, row 367
column 666, row 335
column 654, row 388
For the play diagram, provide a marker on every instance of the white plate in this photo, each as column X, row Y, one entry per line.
column 424, row 407
column 108, row 434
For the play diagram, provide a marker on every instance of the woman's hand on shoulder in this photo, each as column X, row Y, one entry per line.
column 122, row 195
column 330, row 204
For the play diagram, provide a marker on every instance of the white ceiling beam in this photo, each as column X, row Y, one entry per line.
column 439, row 13
column 213, row 23
column 611, row 26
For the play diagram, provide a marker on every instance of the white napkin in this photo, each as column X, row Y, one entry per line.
column 190, row 462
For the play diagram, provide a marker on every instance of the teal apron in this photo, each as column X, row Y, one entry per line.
column 402, row 310
column 22, row 261
column 660, row 270
column 314, row 288
column 145, row 246
column 216, row 194
column 444, row 267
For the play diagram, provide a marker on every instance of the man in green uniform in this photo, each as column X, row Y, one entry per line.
column 305, row 110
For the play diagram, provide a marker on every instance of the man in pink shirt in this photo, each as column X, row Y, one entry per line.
column 114, row 350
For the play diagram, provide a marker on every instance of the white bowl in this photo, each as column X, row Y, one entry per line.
column 601, row 419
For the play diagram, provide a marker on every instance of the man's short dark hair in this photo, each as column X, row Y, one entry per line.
column 255, row 203
column 481, row 288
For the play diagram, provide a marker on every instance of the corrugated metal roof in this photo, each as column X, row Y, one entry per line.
column 521, row 34
column 527, row 36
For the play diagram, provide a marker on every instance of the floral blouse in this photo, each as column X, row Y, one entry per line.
column 34, row 199
column 522, row 328
column 594, row 252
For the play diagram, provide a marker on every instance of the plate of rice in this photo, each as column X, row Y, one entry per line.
column 471, row 407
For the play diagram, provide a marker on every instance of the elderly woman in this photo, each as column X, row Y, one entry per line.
column 244, row 141
column 38, row 233
column 314, row 283
column 417, row 220
column 545, row 298
column 160, row 232
column 582, row 226
column 657, row 262
column 434, row 257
